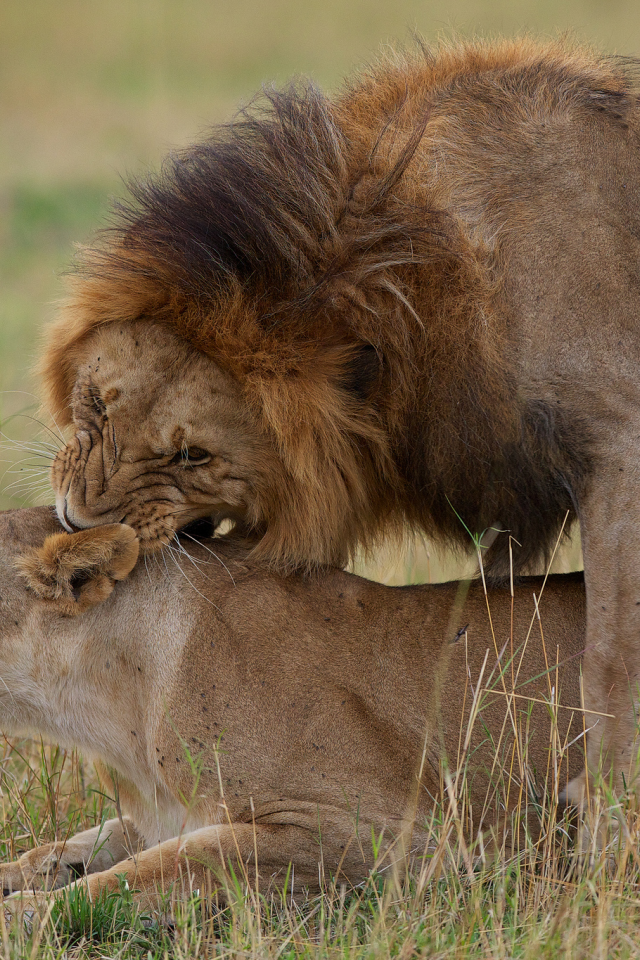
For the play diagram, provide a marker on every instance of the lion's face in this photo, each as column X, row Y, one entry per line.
column 162, row 437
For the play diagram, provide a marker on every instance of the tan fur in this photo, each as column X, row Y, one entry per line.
column 235, row 711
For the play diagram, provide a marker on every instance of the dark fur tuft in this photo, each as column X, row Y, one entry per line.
column 251, row 203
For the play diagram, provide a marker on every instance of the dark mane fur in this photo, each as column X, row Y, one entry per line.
column 251, row 203
column 303, row 232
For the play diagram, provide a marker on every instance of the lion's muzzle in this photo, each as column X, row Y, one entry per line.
column 93, row 486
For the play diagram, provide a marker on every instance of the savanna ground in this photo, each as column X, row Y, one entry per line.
column 89, row 92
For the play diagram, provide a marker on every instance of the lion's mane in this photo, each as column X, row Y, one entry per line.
column 305, row 249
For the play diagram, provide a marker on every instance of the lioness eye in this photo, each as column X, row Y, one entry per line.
column 191, row 457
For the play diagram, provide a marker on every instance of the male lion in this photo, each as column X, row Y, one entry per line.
column 412, row 303
column 243, row 717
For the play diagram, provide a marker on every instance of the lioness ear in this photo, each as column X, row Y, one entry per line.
column 78, row 570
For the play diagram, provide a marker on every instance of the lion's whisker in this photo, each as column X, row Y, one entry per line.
column 19, row 442
column 24, row 481
column 191, row 584
column 32, row 460
column 166, row 568
column 25, row 490
column 146, row 566
column 29, row 470
column 33, row 455
column 24, row 474
column 194, row 560
column 43, row 444
column 32, row 480
column 31, row 464
column 36, row 447
column 177, row 545
column 58, row 439
column 180, row 547
column 27, row 393
column 213, row 554
column 11, row 443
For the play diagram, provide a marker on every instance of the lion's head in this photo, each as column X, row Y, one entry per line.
column 163, row 435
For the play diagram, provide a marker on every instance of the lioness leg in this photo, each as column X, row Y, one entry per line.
column 54, row 865
column 610, row 528
column 288, row 855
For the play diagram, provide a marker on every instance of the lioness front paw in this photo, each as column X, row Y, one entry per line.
column 43, row 868
column 26, row 908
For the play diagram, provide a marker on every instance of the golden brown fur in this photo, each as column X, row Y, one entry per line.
column 421, row 298
column 238, row 711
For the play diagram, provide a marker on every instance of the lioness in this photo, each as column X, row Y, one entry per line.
column 242, row 717
column 416, row 301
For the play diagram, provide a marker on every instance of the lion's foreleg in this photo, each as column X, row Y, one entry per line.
column 610, row 528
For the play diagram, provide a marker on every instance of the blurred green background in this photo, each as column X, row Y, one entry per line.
column 92, row 90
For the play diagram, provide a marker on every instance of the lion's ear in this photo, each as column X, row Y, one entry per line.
column 78, row 570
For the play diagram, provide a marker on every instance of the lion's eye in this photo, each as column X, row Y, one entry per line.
column 97, row 403
column 191, row 457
